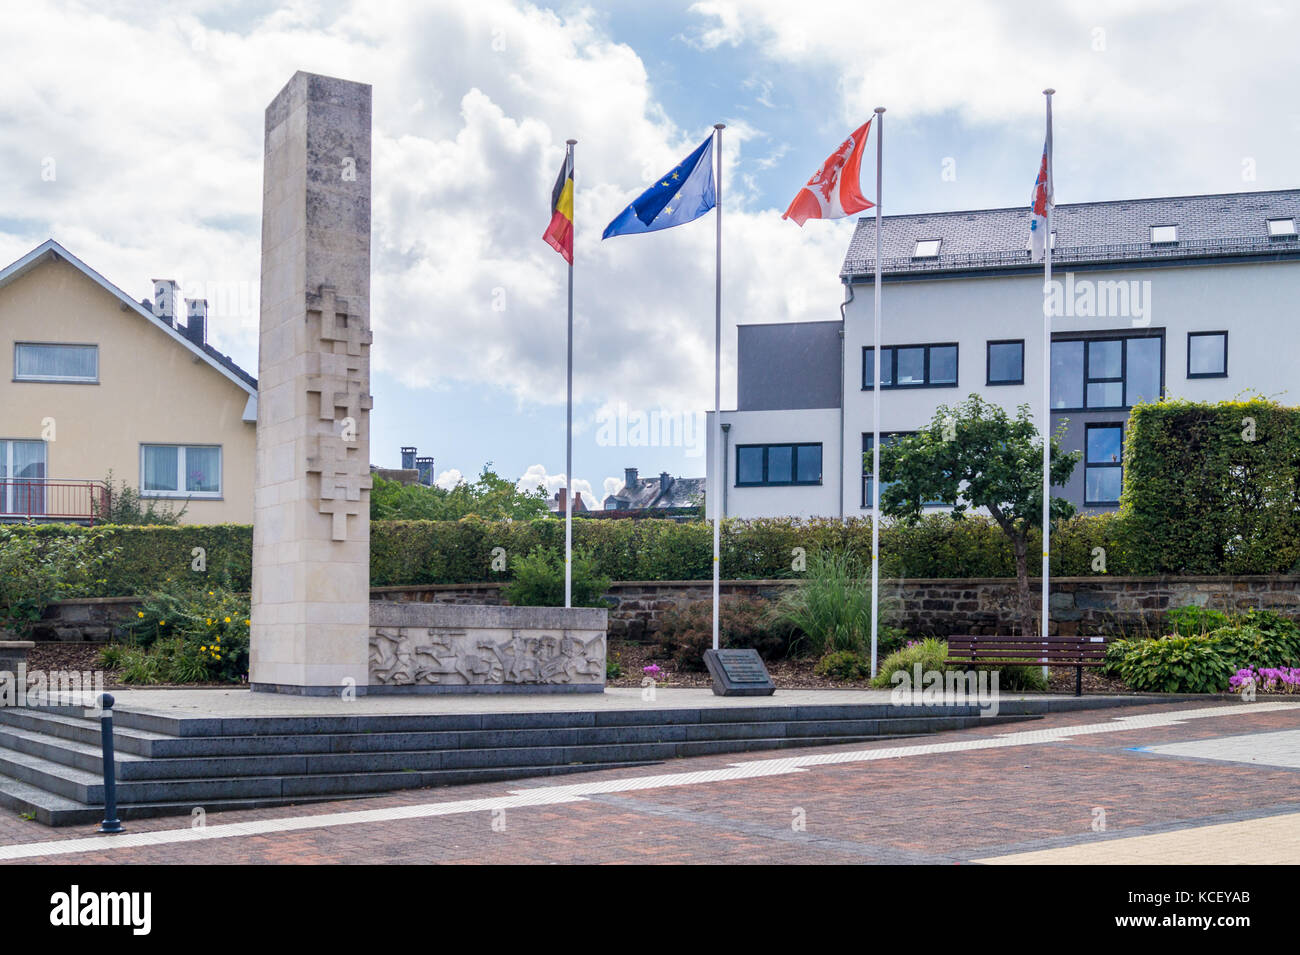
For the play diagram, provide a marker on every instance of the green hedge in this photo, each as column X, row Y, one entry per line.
column 1212, row 488
column 147, row 556
column 427, row 552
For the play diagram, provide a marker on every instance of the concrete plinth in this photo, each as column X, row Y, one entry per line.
column 458, row 648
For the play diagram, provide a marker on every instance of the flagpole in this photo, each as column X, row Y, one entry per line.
column 568, row 424
column 717, row 381
column 1047, row 382
column 875, row 413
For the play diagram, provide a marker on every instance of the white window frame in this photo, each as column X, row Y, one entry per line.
column 1159, row 230
column 69, row 379
column 181, row 450
column 8, row 479
column 1285, row 227
column 918, row 254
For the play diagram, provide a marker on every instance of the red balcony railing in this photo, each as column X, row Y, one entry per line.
column 35, row 499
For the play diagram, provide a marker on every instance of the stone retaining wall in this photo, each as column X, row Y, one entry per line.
column 939, row 606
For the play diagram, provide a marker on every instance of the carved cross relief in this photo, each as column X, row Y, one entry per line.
column 338, row 373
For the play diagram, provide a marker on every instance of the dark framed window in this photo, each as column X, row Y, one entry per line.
column 774, row 465
column 911, row 366
column 886, row 438
column 1207, row 354
column 1006, row 362
column 1103, row 472
column 1107, row 371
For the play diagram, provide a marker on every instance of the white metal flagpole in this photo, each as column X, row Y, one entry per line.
column 568, row 426
column 715, row 491
column 875, row 414
column 1047, row 382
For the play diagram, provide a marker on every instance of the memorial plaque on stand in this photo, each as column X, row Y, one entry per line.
column 738, row 673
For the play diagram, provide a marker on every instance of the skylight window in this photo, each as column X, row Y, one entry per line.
column 1164, row 234
column 1277, row 228
column 927, row 249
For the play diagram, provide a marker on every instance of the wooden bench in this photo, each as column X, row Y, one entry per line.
column 1077, row 652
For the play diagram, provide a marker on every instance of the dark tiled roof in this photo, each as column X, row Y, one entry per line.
column 645, row 493
column 230, row 363
column 1225, row 225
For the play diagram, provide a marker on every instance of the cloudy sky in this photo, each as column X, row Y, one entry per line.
column 149, row 117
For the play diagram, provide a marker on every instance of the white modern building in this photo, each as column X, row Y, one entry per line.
column 1195, row 297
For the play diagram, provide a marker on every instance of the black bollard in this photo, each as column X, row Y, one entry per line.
column 111, row 823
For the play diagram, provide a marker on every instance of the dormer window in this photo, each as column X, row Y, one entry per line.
column 926, row 249
column 1164, row 234
column 1281, row 228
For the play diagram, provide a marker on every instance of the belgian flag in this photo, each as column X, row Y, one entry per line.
column 559, row 234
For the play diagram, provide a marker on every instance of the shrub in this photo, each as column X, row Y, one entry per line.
column 539, row 581
column 1256, row 640
column 1193, row 621
column 1201, row 496
column 1266, row 680
column 831, row 606
column 127, row 506
column 843, row 665
column 1177, row 665
column 743, row 623
column 931, row 654
column 189, row 634
column 38, row 569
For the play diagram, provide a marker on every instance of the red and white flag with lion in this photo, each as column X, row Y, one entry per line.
column 836, row 189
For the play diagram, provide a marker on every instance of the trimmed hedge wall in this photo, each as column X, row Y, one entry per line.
column 427, row 552
column 1212, row 488
column 147, row 556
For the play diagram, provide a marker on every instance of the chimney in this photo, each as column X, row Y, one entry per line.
column 629, row 479
column 164, row 300
column 425, row 467
column 196, row 320
column 408, row 459
column 577, row 502
column 560, row 498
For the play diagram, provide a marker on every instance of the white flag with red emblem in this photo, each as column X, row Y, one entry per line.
column 1039, row 204
column 835, row 191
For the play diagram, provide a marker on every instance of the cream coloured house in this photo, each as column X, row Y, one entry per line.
column 95, row 381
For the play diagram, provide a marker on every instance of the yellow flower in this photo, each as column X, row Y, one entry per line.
column 227, row 620
column 209, row 593
column 246, row 623
column 162, row 623
column 203, row 649
column 140, row 614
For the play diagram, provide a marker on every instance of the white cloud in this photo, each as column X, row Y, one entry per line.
column 1163, row 94
column 449, row 479
column 155, row 118
column 536, row 475
column 153, row 114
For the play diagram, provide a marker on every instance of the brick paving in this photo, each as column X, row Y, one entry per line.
column 942, row 807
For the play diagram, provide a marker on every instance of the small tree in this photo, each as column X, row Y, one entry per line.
column 976, row 456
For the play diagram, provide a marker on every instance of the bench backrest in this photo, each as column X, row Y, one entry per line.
column 1029, row 649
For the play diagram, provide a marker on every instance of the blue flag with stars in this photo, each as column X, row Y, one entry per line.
column 681, row 195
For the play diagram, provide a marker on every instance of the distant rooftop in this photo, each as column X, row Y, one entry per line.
column 1227, row 225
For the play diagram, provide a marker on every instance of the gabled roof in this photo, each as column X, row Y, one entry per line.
column 49, row 250
column 1230, row 225
column 646, row 493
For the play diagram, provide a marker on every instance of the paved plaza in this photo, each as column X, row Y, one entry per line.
column 1201, row 782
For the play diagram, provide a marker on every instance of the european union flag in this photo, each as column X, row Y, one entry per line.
column 681, row 195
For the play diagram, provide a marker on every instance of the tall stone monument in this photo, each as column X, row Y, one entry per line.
column 311, row 507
